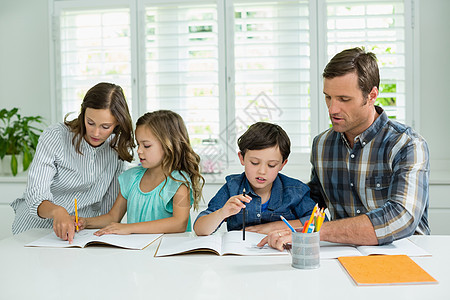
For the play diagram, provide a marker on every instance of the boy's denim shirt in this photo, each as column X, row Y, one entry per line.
column 289, row 198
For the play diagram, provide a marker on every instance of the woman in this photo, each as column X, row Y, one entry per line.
column 79, row 159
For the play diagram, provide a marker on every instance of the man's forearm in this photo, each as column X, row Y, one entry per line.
column 357, row 230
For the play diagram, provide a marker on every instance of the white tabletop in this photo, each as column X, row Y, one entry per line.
column 99, row 272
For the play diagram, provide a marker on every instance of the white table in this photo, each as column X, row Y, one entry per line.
column 99, row 272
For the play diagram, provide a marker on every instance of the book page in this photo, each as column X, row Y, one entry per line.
column 51, row 240
column 86, row 236
column 232, row 243
column 333, row 250
column 135, row 241
column 399, row 247
column 171, row 245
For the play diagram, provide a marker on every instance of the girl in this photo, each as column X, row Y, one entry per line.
column 157, row 196
column 79, row 159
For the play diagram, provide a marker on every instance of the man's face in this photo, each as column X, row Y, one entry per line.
column 349, row 111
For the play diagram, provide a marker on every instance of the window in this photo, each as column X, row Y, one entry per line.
column 224, row 64
column 93, row 45
column 379, row 26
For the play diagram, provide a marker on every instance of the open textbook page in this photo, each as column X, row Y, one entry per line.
column 86, row 237
column 220, row 244
column 400, row 247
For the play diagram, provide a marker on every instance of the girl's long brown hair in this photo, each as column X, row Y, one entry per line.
column 106, row 96
column 170, row 130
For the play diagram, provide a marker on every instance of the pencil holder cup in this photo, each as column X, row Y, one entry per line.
column 305, row 250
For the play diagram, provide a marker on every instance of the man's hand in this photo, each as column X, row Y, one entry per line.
column 277, row 239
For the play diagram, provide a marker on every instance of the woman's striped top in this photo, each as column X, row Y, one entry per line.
column 59, row 174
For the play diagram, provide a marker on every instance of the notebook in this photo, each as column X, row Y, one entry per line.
column 86, row 237
column 385, row 270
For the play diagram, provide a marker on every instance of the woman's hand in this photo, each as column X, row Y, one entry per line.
column 63, row 224
column 114, row 228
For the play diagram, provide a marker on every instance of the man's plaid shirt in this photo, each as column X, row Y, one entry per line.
column 384, row 176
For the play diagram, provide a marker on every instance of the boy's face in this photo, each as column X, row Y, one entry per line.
column 262, row 167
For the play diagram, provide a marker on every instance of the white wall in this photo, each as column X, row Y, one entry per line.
column 435, row 77
column 24, row 57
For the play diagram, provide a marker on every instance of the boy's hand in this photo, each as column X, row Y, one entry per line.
column 114, row 228
column 234, row 205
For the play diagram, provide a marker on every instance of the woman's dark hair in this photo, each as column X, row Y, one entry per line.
column 106, row 96
column 263, row 135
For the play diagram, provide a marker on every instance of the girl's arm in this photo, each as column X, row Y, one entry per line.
column 114, row 215
column 206, row 225
column 177, row 223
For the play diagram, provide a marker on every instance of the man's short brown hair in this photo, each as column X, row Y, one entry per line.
column 355, row 60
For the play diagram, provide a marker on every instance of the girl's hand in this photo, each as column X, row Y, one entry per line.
column 114, row 228
column 63, row 225
column 234, row 205
column 82, row 223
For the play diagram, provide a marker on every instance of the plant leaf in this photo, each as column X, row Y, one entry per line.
column 27, row 157
column 14, row 165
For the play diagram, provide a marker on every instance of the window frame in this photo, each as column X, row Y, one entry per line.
column 318, row 60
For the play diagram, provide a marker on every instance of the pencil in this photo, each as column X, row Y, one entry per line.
column 243, row 219
column 76, row 214
column 287, row 223
column 305, row 229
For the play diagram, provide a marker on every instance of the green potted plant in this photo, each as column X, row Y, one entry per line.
column 18, row 136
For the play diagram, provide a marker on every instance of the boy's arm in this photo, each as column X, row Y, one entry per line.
column 273, row 226
column 207, row 224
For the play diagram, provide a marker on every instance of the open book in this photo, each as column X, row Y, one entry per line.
column 221, row 244
column 400, row 247
column 86, row 237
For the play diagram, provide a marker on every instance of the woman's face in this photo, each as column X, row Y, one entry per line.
column 99, row 123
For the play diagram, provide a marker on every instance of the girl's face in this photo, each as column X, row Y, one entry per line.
column 150, row 150
column 99, row 124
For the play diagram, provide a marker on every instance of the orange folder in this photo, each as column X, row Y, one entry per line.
column 385, row 270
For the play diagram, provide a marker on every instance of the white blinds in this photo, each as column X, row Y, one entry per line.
column 272, row 66
column 182, row 64
column 224, row 64
column 94, row 47
column 379, row 26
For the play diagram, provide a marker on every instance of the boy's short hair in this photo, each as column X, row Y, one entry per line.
column 263, row 135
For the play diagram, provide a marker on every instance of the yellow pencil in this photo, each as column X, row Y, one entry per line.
column 320, row 221
column 313, row 214
column 76, row 214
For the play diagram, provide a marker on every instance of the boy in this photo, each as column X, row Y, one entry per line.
column 264, row 149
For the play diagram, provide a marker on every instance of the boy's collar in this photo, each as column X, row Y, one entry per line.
column 275, row 193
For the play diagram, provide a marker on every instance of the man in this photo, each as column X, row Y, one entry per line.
column 369, row 171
